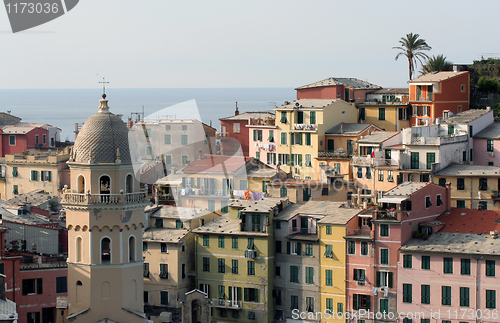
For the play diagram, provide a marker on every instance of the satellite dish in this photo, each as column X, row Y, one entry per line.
column 297, row 104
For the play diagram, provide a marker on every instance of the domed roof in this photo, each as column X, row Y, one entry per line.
column 100, row 137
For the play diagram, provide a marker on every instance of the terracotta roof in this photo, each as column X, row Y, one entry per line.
column 435, row 77
column 470, row 221
column 217, row 164
column 336, row 81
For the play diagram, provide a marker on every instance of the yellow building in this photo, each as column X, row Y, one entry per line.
column 104, row 217
column 235, row 261
column 332, row 260
column 302, row 125
column 39, row 170
column 472, row 186
column 169, row 258
column 387, row 109
column 302, row 191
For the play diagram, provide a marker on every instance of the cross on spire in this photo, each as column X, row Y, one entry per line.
column 104, row 87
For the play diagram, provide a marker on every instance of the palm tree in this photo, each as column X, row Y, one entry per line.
column 437, row 64
column 412, row 47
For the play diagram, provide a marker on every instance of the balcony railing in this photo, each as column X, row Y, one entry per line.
column 333, row 154
column 427, row 97
column 370, row 161
column 226, row 303
column 253, row 228
column 361, row 232
column 304, row 126
column 420, row 140
column 81, row 198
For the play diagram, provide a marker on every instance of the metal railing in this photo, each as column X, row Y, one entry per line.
column 82, row 198
column 226, row 303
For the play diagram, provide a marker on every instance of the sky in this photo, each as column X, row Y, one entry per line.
column 239, row 43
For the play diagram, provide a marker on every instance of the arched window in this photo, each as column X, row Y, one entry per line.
column 104, row 184
column 81, row 184
column 105, row 251
column 129, row 184
column 131, row 249
column 79, row 250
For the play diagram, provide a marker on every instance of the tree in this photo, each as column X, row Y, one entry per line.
column 412, row 47
column 488, row 85
column 437, row 64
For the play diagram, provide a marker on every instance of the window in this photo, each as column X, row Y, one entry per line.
column 446, row 295
column 426, row 262
column 34, row 175
column 277, row 247
column 465, row 266
column 283, row 192
column 179, row 224
column 483, row 184
column 168, row 159
column 206, row 264
column 489, row 145
column 257, row 135
column 250, row 243
column 308, row 139
column 309, row 275
column 221, row 266
column 236, row 128
column 294, row 274
column 428, row 203
column 381, row 113
column 283, row 138
column 221, row 241
column 414, row 161
column 145, row 269
column 149, row 150
column 12, row 140
column 368, row 173
column 390, row 176
column 359, row 276
column 384, row 230
column 312, row 117
column 211, row 205
column 362, row 114
column 384, row 305
column 15, row 189
column 360, row 172
column 14, row 171
column 384, row 256
column 431, row 159
column 46, row 175
column 460, row 184
column 491, row 299
column 184, row 140
column 329, row 277
column 360, row 301
column 205, row 288
column 328, row 229
column 271, row 136
column 234, row 268
column 278, row 296
column 461, row 204
column 380, row 175
column 164, row 271
column 184, row 160
column 407, row 293
column 310, row 304
column 33, row 317
column 206, row 240
column 277, row 271
column 448, row 265
column 32, row 286
column 490, row 268
column 164, row 297
column 464, row 296
column 329, row 306
column 283, row 117
column 251, row 268
column 309, row 249
column 234, row 243
column 384, row 279
column 364, row 248
column 328, row 251
column 340, row 307
column 163, row 247
column 425, row 292
column 251, row 295
column 183, row 270
column 167, row 139
column 407, row 261
column 294, row 302
column 351, row 247
column 61, row 285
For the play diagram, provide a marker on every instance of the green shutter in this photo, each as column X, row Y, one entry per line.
column 391, row 276
column 355, row 302
column 378, row 278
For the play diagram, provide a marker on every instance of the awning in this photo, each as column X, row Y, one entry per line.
column 394, row 199
column 365, row 215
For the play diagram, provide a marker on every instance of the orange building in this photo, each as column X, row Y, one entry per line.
column 435, row 95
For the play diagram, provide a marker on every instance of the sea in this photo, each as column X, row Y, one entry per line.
column 63, row 108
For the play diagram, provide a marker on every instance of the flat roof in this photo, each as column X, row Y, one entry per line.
column 469, row 170
column 336, row 81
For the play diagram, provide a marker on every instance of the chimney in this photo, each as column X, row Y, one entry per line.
column 210, row 123
column 236, row 112
column 494, row 234
column 341, row 128
column 130, row 123
column 448, row 196
column 2, row 287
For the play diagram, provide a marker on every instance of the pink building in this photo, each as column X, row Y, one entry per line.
column 487, row 146
column 454, row 272
column 373, row 241
column 262, row 140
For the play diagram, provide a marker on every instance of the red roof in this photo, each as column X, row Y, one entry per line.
column 217, row 164
column 470, row 221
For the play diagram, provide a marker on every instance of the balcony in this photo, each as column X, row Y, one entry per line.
column 370, row 161
column 437, row 141
column 89, row 199
column 226, row 303
column 423, row 98
column 262, row 121
column 332, row 154
column 304, row 126
column 253, row 228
